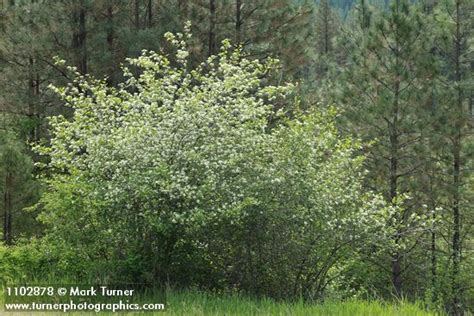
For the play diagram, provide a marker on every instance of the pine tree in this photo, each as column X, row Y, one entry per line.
column 326, row 30
column 263, row 28
column 24, row 72
column 384, row 97
column 325, row 27
column 17, row 185
column 454, row 127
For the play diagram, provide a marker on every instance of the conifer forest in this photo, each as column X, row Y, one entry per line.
column 242, row 157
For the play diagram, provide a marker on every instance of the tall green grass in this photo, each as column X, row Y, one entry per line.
column 196, row 303
column 199, row 303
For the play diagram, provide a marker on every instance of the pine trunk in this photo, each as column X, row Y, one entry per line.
column 394, row 152
column 457, row 139
column 150, row 13
column 212, row 28
column 238, row 21
column 79, row 37
column 137, row 14
column 7, row 209
column 393, row 178
column 434, row 261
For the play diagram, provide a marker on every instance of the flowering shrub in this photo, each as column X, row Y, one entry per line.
column 177, row 175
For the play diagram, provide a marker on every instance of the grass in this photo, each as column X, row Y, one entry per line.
column 194, row 303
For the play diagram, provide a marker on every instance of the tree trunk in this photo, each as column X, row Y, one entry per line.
column 150, row 13
column 212, row 26
column 394, row 148
column 457, row 139
column 79, row 37
column 110, row 29
column 433, row 258
column 326, row 28
column 396, row 275
column 137, row 14
column 396, row 258
column 7, row 205
column 456, row 247
column 34, row 83
column 238, row 21
column 110, row 39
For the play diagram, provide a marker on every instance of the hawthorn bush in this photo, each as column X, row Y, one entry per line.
column 193, row 177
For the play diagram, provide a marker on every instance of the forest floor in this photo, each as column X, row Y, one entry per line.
column 192, row 303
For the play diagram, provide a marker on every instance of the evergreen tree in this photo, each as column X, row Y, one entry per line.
column 325, row 27
column 17, row 185
column 326, row 30
column 386, row 81
column 263, row 28
column 454, row 130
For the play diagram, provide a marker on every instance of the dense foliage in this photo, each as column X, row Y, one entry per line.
column 190, row 176
column 342, row 170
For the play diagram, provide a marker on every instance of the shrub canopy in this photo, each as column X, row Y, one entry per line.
column 193, row 176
